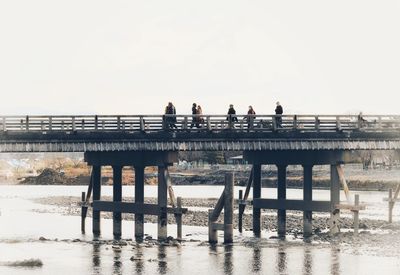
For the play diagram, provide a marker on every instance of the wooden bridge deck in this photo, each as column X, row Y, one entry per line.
column 153, row 133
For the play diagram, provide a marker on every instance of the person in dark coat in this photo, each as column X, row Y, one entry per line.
column 170, row 120
column 231, row 118
column 278, row 115
column 194, row 117
column 250, row 117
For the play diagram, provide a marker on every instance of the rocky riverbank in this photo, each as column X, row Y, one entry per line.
column 357, row 179
column 69, row 205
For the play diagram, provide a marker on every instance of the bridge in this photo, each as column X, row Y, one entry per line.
column 155, row 140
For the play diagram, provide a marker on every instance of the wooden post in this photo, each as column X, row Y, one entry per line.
column 256, row 195
column 139, row 199
column 83, row 215
column 228, row 208
column 212, row 233
column 179, row 219
column 96, row 196
column 391, row 204
column 343, row 182
column 335, row 199
column 117, row 197
column 241, row 210
column 282, row 196
column 356, row 214
column 307, row 196
column 162, row 203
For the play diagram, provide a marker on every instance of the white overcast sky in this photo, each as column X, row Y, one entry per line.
column 132, row 57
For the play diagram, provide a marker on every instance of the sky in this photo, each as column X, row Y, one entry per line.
column 133, row 57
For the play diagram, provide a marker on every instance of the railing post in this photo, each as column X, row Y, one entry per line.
column 208, row 123
column 50, row 123
column 338, row 125
column 230, row 122
column 118, row 123
column 142, row 128
column 4, row 124
column 380, row 122
column 295, row 122
column 317, row 123
column 96, row 122
column 83, row 125
column 73, row 124
column 274, row 124
column 185, row 123
column 27, row 123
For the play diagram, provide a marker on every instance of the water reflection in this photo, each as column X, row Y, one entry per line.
column 96, row 258
column 162, row 260
column 138, row 260
column 335, row 260
column 228, row 263
column 256, row 262
column 117, row 266
column 282, row 258
column 308, row 261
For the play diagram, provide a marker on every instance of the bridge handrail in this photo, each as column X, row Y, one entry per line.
column 239, row 122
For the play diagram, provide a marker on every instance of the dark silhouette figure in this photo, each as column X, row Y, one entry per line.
column 194, row 117
column 278, row 115
column 250, row 118
column 170, row 118
column 231, row 118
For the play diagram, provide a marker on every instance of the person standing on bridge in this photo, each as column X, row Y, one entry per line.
column 231, row 118
column 194, row 117
column 199, row 117
column 170, row 118
column 250, row 118
column 278, row 115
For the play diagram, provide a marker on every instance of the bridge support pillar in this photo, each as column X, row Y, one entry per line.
column 282, row 196
column 117, row 197
column 96, row 196
column 139, row 198
column 256, row 195
column 307, row 196
column 162, row 203
column 335, row 199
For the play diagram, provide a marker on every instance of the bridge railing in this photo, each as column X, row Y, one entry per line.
column 153, row 123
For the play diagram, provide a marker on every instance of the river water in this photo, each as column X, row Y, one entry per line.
column 23, row 222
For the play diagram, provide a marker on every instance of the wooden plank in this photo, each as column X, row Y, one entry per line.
column 217, row 226
column 126, row 207
column 342, row 180
column 351, row 207
column 284, row 204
